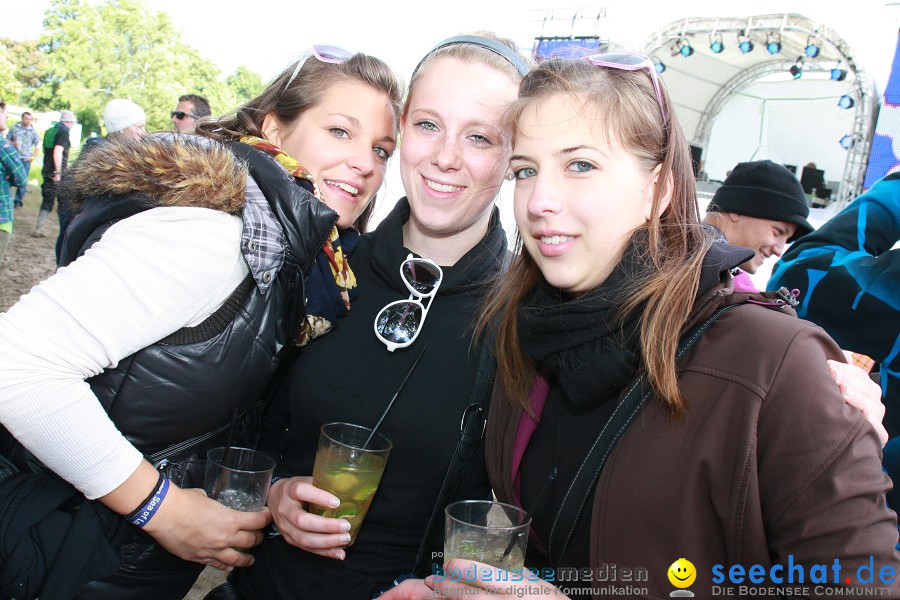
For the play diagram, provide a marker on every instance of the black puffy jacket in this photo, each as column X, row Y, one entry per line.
column 187, row 386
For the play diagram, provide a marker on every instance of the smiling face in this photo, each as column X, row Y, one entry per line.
column 682, row 573
column 579, row 196
column 454, row 153
column 344, row 142
column 763, row 236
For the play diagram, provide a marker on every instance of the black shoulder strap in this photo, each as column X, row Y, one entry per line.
column 581, row 490
column 471, row 430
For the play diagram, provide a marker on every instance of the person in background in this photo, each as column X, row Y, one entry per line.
column 740, row 453
column 848, row 275
column 190, row 109
column 12, row 172
column 123, row 119
column 760, row 206
column 56, row 159
column 27, row 141
column 182, row 244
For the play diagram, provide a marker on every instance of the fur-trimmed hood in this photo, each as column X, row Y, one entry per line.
column 173, row 169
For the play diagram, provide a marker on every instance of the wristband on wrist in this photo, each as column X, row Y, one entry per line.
column 278, row 478
column 142, row 515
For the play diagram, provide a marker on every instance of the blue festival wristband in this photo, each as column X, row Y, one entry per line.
column 142, row 515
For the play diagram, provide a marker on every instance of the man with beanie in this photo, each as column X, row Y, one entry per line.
column 56, row 156
column 760, row 206
column 123, row 119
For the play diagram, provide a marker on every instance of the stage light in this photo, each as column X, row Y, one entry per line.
column 745, row 44
column 773, row 43
column 846, row 142
column 846, row 102
column 812, row 49
column 684, row 48
column 796, row 69
column 659, row 66
column 838, row 74
column 715, row 43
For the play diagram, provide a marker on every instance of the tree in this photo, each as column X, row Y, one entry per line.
column 9, row 85
column 244, row 84
column 119, row 49
column 26, row 63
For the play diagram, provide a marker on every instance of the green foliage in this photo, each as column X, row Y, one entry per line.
column 9, row 85
column 93, row 53
column 244, row 84
column 27, row 59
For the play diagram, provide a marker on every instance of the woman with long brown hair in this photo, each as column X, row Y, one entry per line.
column 682, row 419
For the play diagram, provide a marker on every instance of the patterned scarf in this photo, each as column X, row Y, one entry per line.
column 328, row 288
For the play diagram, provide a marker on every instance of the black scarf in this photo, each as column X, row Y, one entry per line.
column 584, row 340
column 476, row 267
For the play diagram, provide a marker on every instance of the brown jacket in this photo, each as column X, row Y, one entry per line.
column 768, row 463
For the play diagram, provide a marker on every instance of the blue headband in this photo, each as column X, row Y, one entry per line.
column 511, row 56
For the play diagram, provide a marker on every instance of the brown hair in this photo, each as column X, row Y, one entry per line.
column 201, row 104
column 471, row 54
column 676, row 242
column 304, row 92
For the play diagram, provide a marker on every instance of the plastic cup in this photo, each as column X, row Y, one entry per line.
column 239, row 478
column 482, row 530
column 349, row 471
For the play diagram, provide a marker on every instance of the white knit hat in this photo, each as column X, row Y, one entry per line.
column 121, row 113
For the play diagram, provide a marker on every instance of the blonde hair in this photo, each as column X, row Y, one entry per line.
column 471, row 53
column 675, row 241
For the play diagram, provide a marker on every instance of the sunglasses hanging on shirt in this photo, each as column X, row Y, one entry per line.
column 398, row 324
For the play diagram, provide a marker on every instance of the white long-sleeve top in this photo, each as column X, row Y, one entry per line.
column 148, row 276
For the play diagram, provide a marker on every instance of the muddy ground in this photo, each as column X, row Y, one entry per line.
column 28, row 260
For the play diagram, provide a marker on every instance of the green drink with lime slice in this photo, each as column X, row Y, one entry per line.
column 349, row 471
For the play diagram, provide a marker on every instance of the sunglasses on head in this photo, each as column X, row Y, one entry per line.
column 181, row 115
column 398, row 324
column 322, row 53
column 630, row 61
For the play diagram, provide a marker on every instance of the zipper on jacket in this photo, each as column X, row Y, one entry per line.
column 307, row 268
column 161, row 458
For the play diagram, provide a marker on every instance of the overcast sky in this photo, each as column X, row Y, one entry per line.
column 277, row 31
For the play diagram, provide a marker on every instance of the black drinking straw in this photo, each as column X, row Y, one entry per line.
column 528, row 515
column 227, row 455
column 397, row 393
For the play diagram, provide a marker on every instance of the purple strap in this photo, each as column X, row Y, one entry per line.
column 537, row 397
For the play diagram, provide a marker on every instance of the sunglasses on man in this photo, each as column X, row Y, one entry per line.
column 181, row 115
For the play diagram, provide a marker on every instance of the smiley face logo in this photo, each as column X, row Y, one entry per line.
column 682, row 573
